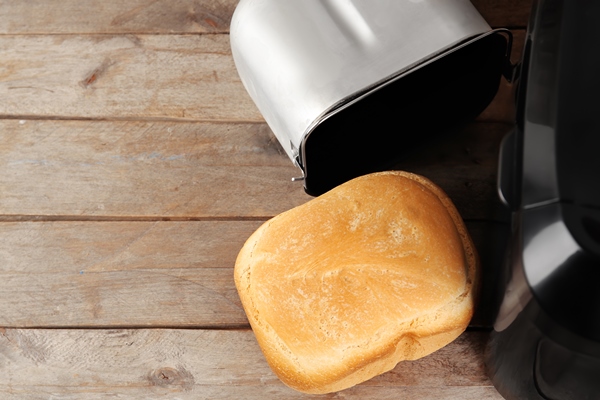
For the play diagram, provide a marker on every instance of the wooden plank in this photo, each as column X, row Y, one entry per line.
column 196, row 170
column 88, row 168
column 186, row 77
column 504, row 13
column 121, row 273
column 138, row 274
column 175, row 77
column 171, row 16
column 113, row 16
column 257, row 392
column 192, row 364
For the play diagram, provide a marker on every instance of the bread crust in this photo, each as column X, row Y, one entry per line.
column 340, row 289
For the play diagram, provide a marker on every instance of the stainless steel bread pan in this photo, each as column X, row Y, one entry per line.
column 348, row 86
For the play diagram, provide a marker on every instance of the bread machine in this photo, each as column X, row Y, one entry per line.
column 349, row 86
column 546, row 338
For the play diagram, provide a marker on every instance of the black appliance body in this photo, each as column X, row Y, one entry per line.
column 546, row 338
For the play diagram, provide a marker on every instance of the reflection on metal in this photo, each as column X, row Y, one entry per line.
column 540, row 184
column 351, row 22
column 547, row 250
column 298, row 60
column 516, row 296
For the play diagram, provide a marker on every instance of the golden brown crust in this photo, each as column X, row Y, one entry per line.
column 378, row 270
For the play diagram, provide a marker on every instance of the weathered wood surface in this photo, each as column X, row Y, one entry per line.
column 201, row 364
column 187, row 77
column 120, row 273
column 134, row 166
column 143, row 169
column 196, row 170
column 115, row 16
column 170, row 16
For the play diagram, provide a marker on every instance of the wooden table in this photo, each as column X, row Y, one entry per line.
column 133, row 167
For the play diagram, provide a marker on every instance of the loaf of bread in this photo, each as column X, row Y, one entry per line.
column 340, row 289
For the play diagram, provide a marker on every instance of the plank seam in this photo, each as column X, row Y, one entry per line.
column 79, row 218
column 27, row 117
column 243, row 327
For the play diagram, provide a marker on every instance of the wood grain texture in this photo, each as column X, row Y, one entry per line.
column 138, row 274
column 504, row 13
column 121, row 273
column 83, row 168
column 200, row 170
column 186, row 77
column 168, row 77
column 169, row 16
column 114, row 16
column 200, row 364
